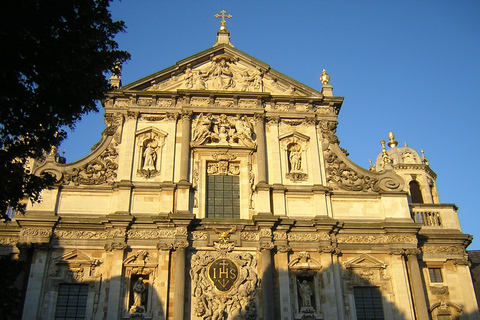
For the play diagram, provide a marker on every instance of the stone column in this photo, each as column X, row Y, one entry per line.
column 338, row 285
column 261, row 149
column 267, row 280
column 34, row 293
column 179, row 287
column 185, row 150
column 115, row 257
column 417, row 285
column 284, row 280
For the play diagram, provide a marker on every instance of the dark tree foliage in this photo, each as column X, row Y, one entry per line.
column 54, row 59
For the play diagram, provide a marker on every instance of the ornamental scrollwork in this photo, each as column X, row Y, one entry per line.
column 443, row 290
column 443, row 249
column 8, row 242
column 340, row 176
column 76, row 234
column 377, row 239
column 35, row 232
column 199, row 235
column 153, row 234
column 102, row 170
column 250, row 236
column 302, row 237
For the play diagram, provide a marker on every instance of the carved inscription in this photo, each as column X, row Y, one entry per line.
column 223, row 273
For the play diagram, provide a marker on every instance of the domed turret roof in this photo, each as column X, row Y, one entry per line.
column 397, row 156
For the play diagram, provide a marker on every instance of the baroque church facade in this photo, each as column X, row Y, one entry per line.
column 219, row 191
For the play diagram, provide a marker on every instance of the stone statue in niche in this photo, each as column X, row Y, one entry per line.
column 139, row 296
column 295, row 157
column 220, row 75
column 150, row 156
column 305, row 293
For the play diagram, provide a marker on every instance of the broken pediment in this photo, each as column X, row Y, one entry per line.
column 222, row 68
column 304, row 261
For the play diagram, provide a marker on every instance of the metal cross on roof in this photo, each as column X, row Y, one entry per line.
column 223, row 16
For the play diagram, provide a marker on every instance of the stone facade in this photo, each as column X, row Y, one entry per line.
column 219, row 191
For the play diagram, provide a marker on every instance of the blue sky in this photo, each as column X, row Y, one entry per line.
column 411, row 67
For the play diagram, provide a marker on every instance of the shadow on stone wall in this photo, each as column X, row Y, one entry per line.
column 321, row 300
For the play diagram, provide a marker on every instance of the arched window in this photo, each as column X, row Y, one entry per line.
column 415, row 192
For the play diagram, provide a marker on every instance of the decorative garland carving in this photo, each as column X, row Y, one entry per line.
column 195, row 178
column 76, row 234
column 250, row 236
column 303, row 237
column 8, row 242
column 377, row 239
column 439, row 290
column 443, row 249
column 164, row 103
column 102, row 170
column 155, row 234
column 199, row 235
column 35, row 232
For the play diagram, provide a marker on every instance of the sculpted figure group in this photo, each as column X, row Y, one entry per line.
column 223, row 130
column 221, row 77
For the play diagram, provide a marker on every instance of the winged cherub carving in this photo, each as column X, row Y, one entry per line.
column 224, row 236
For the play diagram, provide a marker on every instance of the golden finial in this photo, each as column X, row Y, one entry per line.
column 325, row 77
column 385, row 157
column 223, row 27
column 392, row 143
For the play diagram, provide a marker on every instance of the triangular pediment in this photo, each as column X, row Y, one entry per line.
column 75, row 257
column 222, row 68
column 364, row 261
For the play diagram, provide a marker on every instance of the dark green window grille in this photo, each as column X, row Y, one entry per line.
column 71, row 302
column 368, row 303
column 223, row 197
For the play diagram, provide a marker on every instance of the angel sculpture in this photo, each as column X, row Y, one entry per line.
column 202, row 130
column 225, row 235
column 244, row 131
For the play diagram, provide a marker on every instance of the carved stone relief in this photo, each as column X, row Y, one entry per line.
column 164, row 103
column 224, row 285
column 377, row 239
column 223, row 130
column 443, row 249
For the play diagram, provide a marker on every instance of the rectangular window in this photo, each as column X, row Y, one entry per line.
column 71, row 302
column 368, row 303
column 435, row 275
column 444, row 318
column 223, row 197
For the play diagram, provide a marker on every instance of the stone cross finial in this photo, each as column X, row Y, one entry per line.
column 223, row 27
